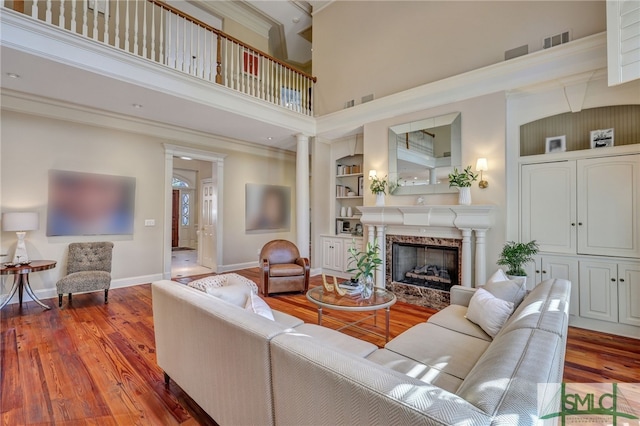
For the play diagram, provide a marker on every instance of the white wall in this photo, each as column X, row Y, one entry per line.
column 384, row 47
column 32, row 145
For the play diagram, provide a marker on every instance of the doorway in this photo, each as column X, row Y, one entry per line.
column 193, row 236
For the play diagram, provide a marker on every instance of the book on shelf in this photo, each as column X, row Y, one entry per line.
column 339, row 226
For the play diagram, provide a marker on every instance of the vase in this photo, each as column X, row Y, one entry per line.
column 380, row 199
column 343, row 212
column 349, row 212
column 367, row 287
column 464, row 197
column 520, row 279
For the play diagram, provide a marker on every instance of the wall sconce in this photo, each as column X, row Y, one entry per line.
column 481, row 166
column 20, row 222
column 372, row 174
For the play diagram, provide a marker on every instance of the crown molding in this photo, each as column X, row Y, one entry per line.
column 239, row 12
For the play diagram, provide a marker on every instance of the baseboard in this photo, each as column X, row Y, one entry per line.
column 315, row 271
column 50, row 293
column 236, row 267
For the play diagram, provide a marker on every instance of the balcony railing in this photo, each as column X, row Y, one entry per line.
column 161, row 33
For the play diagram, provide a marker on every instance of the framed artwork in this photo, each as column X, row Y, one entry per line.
column 250, row 63
column 90, row 204
column 601, row 138
column 555, row 144
column 360, row 186
column 267, row 208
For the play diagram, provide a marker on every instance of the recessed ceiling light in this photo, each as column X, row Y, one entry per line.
column 137, row 106
column 13, row 75
column 295, row 20
column 269, row 138
column 186, row 158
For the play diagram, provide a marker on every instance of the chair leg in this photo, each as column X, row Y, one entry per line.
column 60, row 300
column 106, row 296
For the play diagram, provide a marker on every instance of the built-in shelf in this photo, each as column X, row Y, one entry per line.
column 350, row 175
column 353, row 197
column 354, row 217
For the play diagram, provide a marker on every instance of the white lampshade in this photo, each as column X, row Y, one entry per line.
column 481, row 165
column 372, row 174
column 20, row 221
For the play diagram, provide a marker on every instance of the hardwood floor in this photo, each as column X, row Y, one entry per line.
column 91, row 363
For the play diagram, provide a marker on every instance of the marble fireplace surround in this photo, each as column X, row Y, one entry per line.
column 466, row 223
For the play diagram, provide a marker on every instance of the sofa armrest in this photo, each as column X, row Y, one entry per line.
column 461, row 295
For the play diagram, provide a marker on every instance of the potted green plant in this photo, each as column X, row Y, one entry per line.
column 379, row 187
column 515, row 255
column 364, row 266
column 462, row 180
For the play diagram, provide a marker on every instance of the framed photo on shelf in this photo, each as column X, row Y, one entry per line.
column 601, row 138
column 360, row 186
column 555, row 144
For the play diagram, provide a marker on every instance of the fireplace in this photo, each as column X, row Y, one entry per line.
column 421, row 270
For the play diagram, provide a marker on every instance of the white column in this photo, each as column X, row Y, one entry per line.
column 466, row 257
column 380, row 272
column 372, row 233
column 481, row 269
column 302, row 195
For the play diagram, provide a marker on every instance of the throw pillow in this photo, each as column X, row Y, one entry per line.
column 488, row 311
column 511, row 291
column 234, row 292
column 235, row 278
column 498, row 276
column 257, row 305
column 213, row 281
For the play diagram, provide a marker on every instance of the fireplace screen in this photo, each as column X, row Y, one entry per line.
column 425, row 266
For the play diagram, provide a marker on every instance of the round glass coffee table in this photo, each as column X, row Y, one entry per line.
column 380, row 299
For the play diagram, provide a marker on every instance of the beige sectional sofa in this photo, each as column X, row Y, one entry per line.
column 242, row 368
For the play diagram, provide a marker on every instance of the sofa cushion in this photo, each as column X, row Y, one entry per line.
column 417, row 370
column 285, row 270
column 204, row 283
column 336, row 339
column 488, row 311
column 430, row 344
column 453, row 318
column 286, row 320
column 258, row 306
column 504, row 382
column 506, row 289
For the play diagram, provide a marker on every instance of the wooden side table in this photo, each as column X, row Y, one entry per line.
column 21, row 279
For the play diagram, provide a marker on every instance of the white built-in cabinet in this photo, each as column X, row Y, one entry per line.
column 584, row 215
column 335, row 254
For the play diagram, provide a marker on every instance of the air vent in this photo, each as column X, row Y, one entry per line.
column 367, row 98
column 518, row 51
column 557, row 39
column 349, row 104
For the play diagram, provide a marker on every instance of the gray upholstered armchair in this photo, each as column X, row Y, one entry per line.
column 88, row 269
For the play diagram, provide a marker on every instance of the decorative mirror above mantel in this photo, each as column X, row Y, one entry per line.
column 423, row 153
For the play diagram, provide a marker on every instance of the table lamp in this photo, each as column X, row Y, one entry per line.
column 20, row 222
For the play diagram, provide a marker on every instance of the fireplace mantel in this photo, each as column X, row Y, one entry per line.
column 461, row 221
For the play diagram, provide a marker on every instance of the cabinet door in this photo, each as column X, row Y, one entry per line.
column 548, row 206
column 331, row 256
column 599, row 291
column 338, row 255
column 533, row 270
column 608, row 197
column 565, row 268
column 629, row 293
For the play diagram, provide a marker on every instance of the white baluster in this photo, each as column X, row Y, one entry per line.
column 116, row 41
column 135, row 28
column 47, row 15
column 126, row 27
column 153, row 33
column 144, row 28
column 95, row 20
column 61, row 18
column 185, row 63
column 162, row 21
column 85, row 28
column 105, row 36
column 73, row 16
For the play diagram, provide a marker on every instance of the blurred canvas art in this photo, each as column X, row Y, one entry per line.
column 90, row 204
column 268, row 208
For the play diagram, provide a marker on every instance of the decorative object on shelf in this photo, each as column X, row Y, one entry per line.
column 358, row 230
column 555, row 144
column 482, row 166
column 601, row 138
column 364, row 265
column 378, row 187
column 343, row 211
column 349, row 212
column 20, row 223
column 351, row 194
column 462, row 180
column 515, row 255
column 360, row 186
